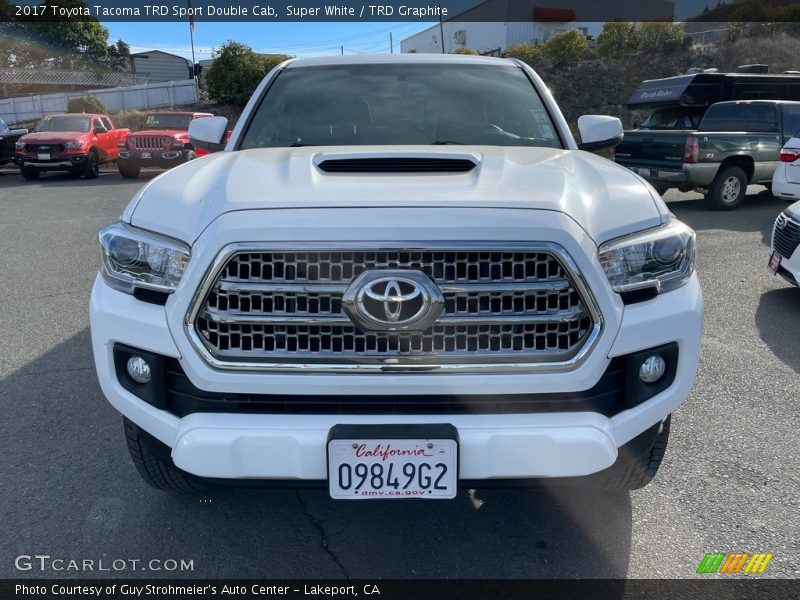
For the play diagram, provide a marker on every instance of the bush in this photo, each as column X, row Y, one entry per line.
column 618, row 38
column 236, row 72
column 566, row 47
column 527, row 53
column 85, row 104
column 131, row 119
column 465, row 50
column 660, row 36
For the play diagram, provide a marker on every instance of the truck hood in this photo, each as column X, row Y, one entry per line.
column 606, row 200
column 53, row 136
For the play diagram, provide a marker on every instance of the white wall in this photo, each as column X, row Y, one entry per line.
column 479, row 36
column 143, row 97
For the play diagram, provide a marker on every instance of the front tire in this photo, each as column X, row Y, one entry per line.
column 729, row 188
column 152, row 460
column 128, row 171
column 634, row 469
column 29, row 174
column 92, row 168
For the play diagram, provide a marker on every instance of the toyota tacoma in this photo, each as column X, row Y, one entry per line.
column 401, row 278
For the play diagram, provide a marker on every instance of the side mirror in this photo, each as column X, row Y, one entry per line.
column 599, row 131
column 16, row 132
column 208, row 133
column 99, row 130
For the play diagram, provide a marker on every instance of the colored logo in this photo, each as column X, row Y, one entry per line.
column 734, row 562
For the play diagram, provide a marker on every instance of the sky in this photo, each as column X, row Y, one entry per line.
column 297, row 39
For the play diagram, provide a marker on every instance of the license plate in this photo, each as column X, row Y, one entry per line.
column 145, row 155
column 392, row 468
column 774, row 262
column 43, row 156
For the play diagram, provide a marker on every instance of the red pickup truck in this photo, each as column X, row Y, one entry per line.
column 74, row 142
column 161, row 142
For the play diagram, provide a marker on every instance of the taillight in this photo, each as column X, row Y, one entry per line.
column 692, row 150
column 789, row 155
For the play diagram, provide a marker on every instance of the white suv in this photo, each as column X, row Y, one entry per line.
column 401, row 277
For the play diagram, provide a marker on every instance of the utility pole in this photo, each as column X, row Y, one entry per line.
column 391, row 44
column 342, row 50
column 441, row 30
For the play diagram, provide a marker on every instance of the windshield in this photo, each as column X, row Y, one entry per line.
column 167, row 121
column 64, row 123
column 388, row 104
column 672, row 118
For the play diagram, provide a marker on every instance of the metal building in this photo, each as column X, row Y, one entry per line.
column 493, row 26
column 162, row 66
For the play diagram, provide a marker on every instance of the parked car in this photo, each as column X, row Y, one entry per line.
column 738, row 143
column 162, row 142
column 75, row 142
column 785, row 258
column 786, row 180
column 8, row 140
column 365, row 293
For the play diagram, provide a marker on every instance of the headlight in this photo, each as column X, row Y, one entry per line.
column 73, row 144
column 662, row 258
column 137, row 258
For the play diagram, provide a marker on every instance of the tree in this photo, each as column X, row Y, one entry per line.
column 662, row 36
column 236, row 72
column 566, row 47
column 119, row 56
column 618, row 38
column 527, row 53
column 66, row 43
column 85, row 104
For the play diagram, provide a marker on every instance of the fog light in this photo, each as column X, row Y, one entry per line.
column 652, row 369
column 138, row 369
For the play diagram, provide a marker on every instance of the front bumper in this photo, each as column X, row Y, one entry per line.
column 292, row 447
column 153, row 158
column 63, row 162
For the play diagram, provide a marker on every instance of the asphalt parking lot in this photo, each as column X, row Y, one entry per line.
column 69, row 490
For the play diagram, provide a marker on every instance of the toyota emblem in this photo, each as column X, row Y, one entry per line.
column 393, row 301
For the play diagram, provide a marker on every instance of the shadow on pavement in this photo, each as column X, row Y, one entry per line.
column 108, row 176
column 756, row 213
column 778, row 312
column 70, row 490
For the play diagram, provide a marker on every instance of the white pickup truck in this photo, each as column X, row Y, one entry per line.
column 401, row 278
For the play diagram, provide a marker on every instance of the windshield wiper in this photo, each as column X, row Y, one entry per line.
column 299, row 145
column 446, row 143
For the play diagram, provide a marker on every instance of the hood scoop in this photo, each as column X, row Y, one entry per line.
column 399, row 163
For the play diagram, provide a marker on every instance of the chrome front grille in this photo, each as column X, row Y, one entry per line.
column 785, row 236
column 504, row 308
